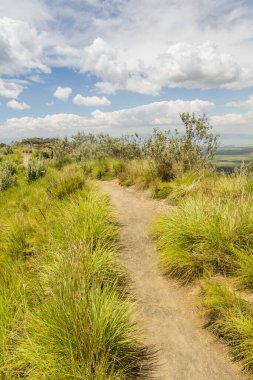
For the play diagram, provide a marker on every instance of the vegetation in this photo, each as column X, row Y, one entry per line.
column 36, row 168
column 209, row 237
column 162, row 157
column 8, row 176
column 174, row 153
column 64, row 309
column 230, row 317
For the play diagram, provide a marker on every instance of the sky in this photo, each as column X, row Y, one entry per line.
column 125, row 66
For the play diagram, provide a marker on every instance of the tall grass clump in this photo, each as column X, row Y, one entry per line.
column 83, row 327
column 231, row 318
column 138, row 172
column 202, row 237
column 244, row 268
column 65, row 312
column 102, row 169
column 70, row 180
column 184, row 185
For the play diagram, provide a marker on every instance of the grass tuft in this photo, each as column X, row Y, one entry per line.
column 231, row 318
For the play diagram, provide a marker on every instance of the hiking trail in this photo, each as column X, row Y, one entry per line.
column 166, row 312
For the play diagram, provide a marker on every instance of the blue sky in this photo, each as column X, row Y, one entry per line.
column 121, row 66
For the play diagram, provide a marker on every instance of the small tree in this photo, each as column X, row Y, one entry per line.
column 194, row 148
column 198, row 145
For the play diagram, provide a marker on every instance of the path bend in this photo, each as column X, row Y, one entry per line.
column 166, row 312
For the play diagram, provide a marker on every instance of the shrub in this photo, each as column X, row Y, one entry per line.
column 61, row 161
column 175, row 154
column 7, row 150
column 8, row 176
column 36, row 168
column 102, row 146
column 61, row 153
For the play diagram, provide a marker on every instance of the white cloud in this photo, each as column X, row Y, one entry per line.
column 21, row 47
column 163, row 113
column 29, row 40
column 9, row 89
column 188, row 65
column 239, row 123
column 131, row 56
column 229, row 120
column 107, row 87
column 159, row 114
column 15, row 105
column 63, row 93
column 34, row 11
column 181, row 65
column 101, row 59
column 91, row 101
column 248, row 103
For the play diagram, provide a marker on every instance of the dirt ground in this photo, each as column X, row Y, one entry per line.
column 167, row 312
column 26, row 158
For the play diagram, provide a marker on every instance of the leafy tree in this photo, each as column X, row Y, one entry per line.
column 194, row 148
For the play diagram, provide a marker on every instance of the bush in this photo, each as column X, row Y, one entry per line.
column 7, row 150
column 61, row 153
column 8, row 176
column 102, row 146
column 36, row 169
column 175, row 154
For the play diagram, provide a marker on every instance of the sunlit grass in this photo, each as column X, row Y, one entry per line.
column 64, row 309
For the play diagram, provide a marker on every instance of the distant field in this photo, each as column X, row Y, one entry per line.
column 231, row 156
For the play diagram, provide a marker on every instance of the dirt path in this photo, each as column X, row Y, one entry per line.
column 166, row 311
column 26, row 158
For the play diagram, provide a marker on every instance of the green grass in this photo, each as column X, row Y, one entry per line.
column 181, row 187
column 103, row 169
column 202, row 236
column 65, row 312
column 244, row 269
column 70, row 180
column 209, row 239
column 231, row 318
column 138, row 172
